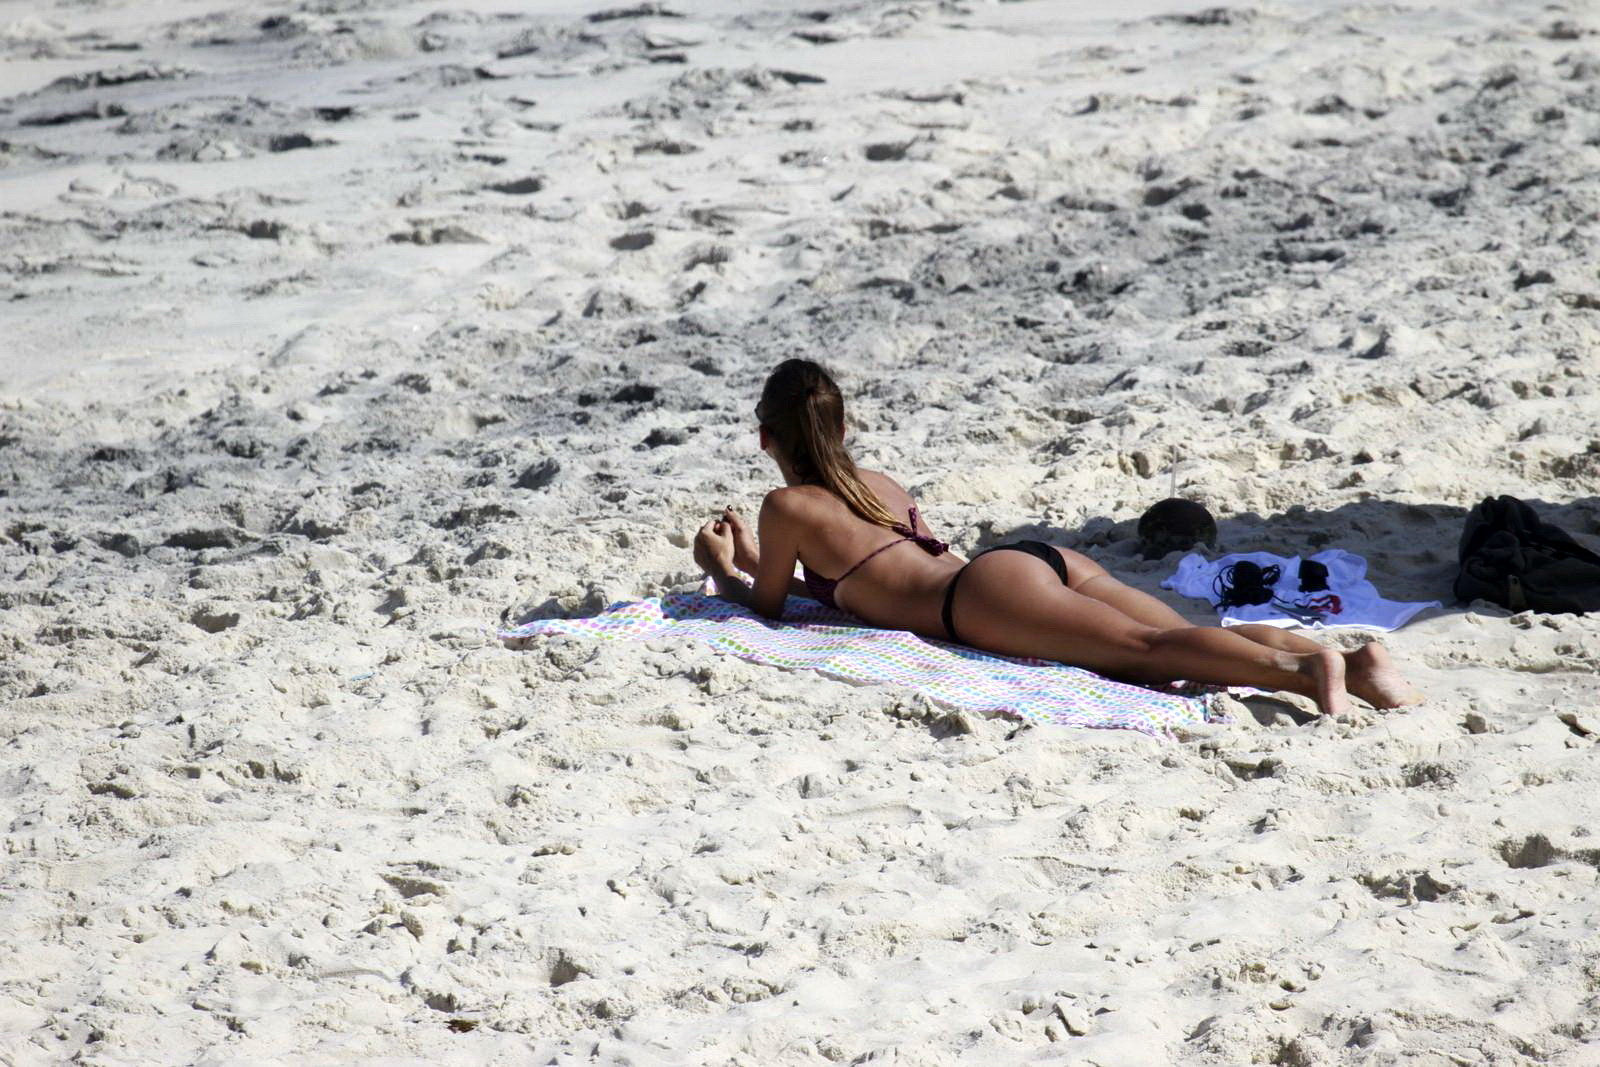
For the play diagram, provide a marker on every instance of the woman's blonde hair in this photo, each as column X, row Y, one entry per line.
column 802, row 409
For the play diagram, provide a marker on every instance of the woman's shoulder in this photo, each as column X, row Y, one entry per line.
column 888, row 490
column 793, row 500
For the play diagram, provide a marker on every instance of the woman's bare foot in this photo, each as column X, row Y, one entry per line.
column 1326, row 669
column 1373, row 678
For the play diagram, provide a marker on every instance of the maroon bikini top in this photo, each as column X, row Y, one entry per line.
column 821, row 589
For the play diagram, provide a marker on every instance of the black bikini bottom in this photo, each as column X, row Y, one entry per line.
column 1033, row 548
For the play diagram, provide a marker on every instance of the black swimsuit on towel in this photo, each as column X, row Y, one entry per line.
column 1037, row 549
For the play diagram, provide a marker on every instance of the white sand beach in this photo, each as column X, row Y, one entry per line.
column 336, row 334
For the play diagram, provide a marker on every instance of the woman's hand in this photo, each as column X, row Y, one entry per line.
column 746, row 556
column 714, row 548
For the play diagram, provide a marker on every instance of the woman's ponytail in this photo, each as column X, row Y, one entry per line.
column 802, row 408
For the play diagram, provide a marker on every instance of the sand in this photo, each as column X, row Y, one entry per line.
column 336, row 334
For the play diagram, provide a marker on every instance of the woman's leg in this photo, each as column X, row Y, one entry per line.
column 1010, row 603
column 1086, row 576
column 1369, row 673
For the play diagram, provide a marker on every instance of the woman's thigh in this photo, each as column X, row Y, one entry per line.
column 1013, row 604
column 1086, row 576
column 1080, row 568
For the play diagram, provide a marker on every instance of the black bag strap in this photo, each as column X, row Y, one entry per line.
column 1566, row 547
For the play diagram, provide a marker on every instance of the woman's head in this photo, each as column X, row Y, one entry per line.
column 802, row 412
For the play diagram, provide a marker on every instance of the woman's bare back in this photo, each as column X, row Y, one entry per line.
column 897, row 584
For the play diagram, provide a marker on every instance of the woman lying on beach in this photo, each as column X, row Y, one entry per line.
column 1026, row 598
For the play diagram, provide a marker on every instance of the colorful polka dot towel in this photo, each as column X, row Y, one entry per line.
column 816, row 638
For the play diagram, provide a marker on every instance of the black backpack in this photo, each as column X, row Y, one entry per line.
column 1510, row 557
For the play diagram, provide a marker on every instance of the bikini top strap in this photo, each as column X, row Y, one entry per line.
column 870, row 555
column 927, row 542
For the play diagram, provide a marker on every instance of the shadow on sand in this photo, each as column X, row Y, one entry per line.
column 1411, row 549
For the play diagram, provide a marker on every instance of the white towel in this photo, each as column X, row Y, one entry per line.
column 1349, row 599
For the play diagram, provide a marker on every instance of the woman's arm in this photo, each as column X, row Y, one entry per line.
column 779, row 530
column 714, row 552
column 723, row 547
column 747, row 553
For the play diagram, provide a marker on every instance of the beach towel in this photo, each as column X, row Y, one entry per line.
column 813, row 637
column 1327, row 589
